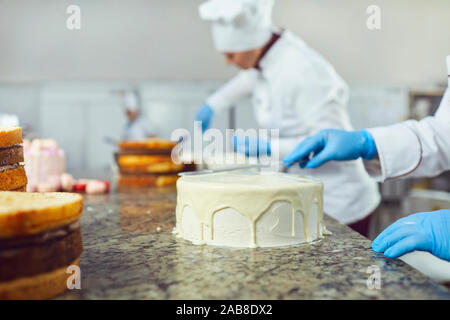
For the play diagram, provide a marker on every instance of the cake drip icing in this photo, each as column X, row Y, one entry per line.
column 250, row 194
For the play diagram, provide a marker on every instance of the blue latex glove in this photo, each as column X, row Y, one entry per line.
column 332, row 144
column 205, row 114
column 426, row 231
column 251, row 146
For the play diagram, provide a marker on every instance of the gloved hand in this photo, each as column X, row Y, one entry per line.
column 426, row 231
column 251, row 146
column 332, row 144
column 205, row 114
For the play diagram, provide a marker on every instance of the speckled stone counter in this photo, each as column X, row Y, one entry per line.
column 131, row 253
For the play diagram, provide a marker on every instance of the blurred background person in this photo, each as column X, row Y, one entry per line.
column 137, row 128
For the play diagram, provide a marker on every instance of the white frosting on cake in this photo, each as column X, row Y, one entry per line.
column 45, row 162
column 249, row 209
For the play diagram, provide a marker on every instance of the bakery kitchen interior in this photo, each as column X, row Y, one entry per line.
column 225, row 150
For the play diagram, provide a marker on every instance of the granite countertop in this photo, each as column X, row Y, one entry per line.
column 131, row 253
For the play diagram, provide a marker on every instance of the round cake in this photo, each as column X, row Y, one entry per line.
column 249, row 209
column 40, row 238
column 45, row 162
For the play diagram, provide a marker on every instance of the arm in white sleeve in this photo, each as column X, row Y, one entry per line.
column 413, row 148
column 234, row 90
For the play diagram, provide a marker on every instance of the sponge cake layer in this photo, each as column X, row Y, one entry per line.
column 42, row 286
column 28, row 256
column 11, row 155
column 26, row 213
column 10, row 136
column 12, row 177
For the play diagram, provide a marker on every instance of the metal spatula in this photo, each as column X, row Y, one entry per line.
column 245, row 167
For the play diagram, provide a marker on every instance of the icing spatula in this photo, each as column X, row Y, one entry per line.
column 235, row 168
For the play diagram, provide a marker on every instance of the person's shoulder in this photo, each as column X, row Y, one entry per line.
column 294, row 44
column 247, row 75
column 289, row 68
column 294, row 41
column 292, row 53
column 306, row 60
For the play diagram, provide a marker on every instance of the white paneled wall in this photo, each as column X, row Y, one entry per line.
column 172, row 105
column 80, row 115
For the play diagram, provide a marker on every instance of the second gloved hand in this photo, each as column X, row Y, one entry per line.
column 205, row 115
column 332, row 144
column 251, row 146
column 426, row 231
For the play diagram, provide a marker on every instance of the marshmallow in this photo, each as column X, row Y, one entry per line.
column 47, row 187
column 67, row 182
column 95, row 187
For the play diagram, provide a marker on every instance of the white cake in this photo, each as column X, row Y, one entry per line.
column 249, row 209
column 45, row 163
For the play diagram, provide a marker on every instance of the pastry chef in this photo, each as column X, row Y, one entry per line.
column 137, row 127
column 293, row 89
column 409, row 149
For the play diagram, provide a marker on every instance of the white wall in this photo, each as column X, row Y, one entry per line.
column 164, row 39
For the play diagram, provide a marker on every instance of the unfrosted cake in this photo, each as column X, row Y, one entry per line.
column 45, row 163
column 12, row 172
column 249, row 209
column 40, row 237
column 148, row 163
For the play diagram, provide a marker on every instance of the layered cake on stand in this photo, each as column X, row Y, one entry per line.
column 148, row 163
column 249, row 209
column 45, row 163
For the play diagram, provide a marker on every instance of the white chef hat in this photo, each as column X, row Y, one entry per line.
column 239, row 25
column 130, row 101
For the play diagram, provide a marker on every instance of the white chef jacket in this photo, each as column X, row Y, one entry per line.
column 300, row 93
column 413, row 148
column 138, row 129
